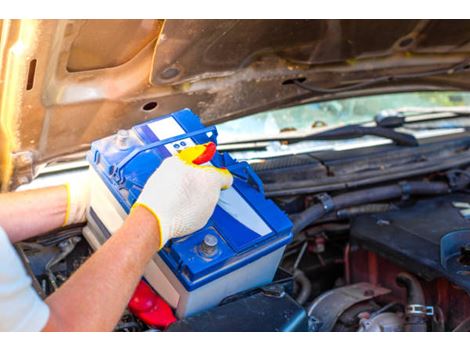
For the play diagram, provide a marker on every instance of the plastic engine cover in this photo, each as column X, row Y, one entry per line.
column 430, row 238
column 266, row 310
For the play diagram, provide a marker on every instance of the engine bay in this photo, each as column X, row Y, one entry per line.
column 381, row 242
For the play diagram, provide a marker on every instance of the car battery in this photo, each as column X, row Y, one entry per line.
column 238, row 249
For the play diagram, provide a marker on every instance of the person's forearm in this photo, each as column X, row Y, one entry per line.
column 95, row 296
column 29, row 213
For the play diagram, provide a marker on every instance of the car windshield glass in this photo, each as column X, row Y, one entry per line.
column 314, row 116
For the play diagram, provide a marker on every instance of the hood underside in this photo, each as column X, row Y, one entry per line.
column 65, row 83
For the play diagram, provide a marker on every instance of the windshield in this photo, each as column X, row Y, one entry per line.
column 308, row 117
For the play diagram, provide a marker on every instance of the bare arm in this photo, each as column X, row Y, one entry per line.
column 94, row 298
column 30, row 213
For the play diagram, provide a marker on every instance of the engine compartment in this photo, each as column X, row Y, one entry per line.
column 390, row 254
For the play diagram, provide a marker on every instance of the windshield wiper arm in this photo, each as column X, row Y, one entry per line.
column 394, row 118
column 338, row 133
column 355, row 131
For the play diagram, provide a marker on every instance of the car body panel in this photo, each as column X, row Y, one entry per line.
column 65, row 83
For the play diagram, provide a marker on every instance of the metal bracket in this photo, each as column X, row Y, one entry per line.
column 24, row 171
column 328, row 307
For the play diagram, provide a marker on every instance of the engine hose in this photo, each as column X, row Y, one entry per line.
column 348, row 213
column 415, row 321
column 371, row 195
column 305, row 286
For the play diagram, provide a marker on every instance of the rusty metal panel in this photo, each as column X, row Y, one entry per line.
column 65, row 83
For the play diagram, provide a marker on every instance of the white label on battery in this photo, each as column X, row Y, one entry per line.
column 234, row 204
column 167, row 128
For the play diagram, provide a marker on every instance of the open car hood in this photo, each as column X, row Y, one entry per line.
column 66, row 83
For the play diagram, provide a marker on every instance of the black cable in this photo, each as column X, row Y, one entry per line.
column 54, row 237
column 371, row 195
column 313, row 89
column 456, row 68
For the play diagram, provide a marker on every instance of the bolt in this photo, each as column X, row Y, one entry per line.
column 122, row 139
column 209, row 245
column 274, row 291
column 26, row 158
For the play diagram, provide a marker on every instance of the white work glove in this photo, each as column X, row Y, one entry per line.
column 182, row 195
column 78, row 199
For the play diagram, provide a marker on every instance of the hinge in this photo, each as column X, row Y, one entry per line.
column 24, row 168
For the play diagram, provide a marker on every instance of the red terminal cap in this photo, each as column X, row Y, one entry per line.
column 149, row 307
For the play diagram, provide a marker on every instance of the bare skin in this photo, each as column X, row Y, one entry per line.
column 95, row 296
column 30, row 213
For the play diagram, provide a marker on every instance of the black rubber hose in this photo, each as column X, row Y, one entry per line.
column 350, row 212
column 305, row 286
column 413, row 287
column 371, row 195
column 415, row 296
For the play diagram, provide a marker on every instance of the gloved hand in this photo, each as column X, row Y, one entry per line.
column 78, row 199
column 182, row 195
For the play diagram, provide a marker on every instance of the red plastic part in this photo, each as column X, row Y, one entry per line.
column 207, row 155
column 149, row 307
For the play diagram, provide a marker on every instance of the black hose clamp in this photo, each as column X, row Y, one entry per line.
column 405, row 190
column 326, row 201
column 452, row 179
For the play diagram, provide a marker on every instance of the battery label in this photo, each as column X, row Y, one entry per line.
column 167, row 128
column 234, row 204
